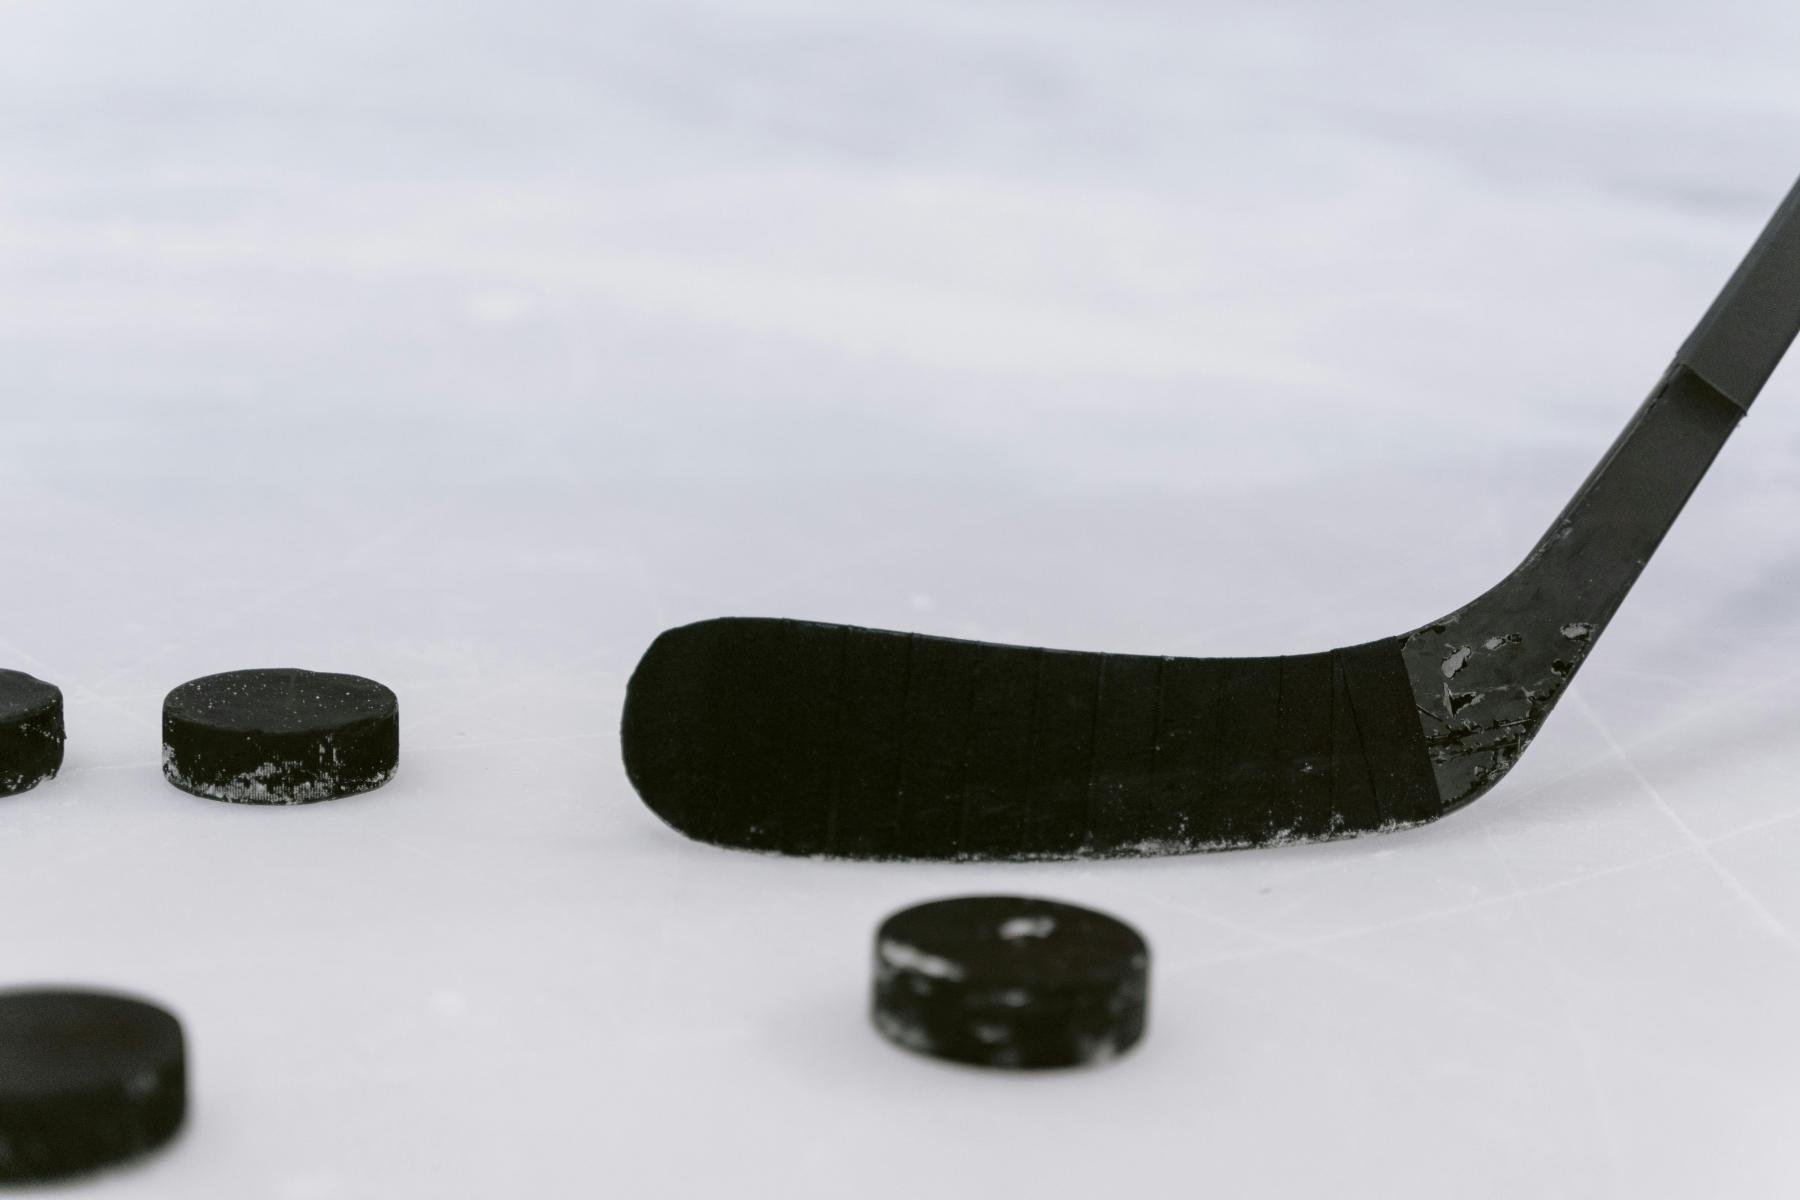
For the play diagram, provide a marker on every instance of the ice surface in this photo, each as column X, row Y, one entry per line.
column 467, row 347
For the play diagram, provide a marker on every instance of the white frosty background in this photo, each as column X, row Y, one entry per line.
column 466, row 345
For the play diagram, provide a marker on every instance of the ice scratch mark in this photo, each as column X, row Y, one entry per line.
column 1758, row 910
column 1605, row 1118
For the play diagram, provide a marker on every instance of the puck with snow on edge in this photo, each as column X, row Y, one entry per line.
column 280, row 736
column 87, row 1079
column 1010, row 981
column 31, row 731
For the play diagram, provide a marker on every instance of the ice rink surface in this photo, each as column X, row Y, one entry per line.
column 468, row 346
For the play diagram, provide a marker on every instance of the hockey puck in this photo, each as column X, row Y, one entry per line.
column 280, row 736
column 1005, row 981
column 31, row 731
column 86, row 1080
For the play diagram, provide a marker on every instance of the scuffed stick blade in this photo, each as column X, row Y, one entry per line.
column 804, row 738
column 827, row 739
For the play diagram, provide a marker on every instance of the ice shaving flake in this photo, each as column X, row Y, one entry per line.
column 911, row 958
column 912, row 1036
column 1144, row 847
column 1093, row 1051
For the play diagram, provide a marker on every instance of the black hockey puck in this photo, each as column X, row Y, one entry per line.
column 31, row 731
column 86, row 1080
column 280, row 736
column 1005, row 981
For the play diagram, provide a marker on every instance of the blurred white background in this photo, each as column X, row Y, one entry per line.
column 467, row 345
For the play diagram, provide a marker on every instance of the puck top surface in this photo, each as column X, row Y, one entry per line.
column 21, row 695
column 57, row 1042
column 279, row 700
column 1002, row 940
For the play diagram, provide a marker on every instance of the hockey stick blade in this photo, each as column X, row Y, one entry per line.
column 802, row 738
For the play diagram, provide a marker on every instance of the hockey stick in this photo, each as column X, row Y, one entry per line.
column 805, row 738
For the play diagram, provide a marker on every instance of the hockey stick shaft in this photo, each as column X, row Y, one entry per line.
column 1742, row 337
